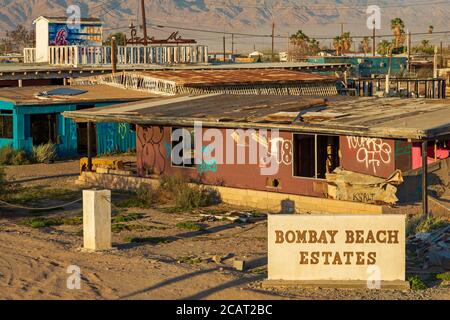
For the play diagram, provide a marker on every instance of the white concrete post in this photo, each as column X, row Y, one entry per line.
column 97, row 219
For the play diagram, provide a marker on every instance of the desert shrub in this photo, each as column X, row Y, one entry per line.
column 143, row 199
column 423, row 223
column 9, row 156
column 44, row 153
column 20, row 158
column 416, row 283
column 2, row 180
column 193, row 197
column 190, row 225
column 186, row 196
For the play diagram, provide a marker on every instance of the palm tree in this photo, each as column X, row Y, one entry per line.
column 365, row 44
column 398, row 29
column 346, row 41
column 430, row 29
column 384, row 47
column 337, row 44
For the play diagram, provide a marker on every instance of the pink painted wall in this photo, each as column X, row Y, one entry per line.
column 441, row 153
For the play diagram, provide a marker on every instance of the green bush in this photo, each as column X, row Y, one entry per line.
column 423, row 223
column 9, row 156
column 144, row 199
column 187, row 196
column 44, row 153
column 416, row 283
column 2, row 180
column 190, row 225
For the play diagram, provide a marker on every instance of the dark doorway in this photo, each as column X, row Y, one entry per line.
column 82, row 139
column 315, row 155
column 44, row 128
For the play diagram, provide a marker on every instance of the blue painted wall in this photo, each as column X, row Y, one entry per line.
column 366, row 66
column 114, row 138
column 111, row 137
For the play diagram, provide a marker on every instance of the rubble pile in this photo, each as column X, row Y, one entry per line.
column 430, row 249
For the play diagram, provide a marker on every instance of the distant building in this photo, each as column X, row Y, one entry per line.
column 57, row 31
column 256, row 55
column 219, row 57
column 31, row 116
column 284, row 56
column 366, row 66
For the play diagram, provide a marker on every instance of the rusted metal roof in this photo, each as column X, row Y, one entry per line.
column 367, row 117
column 97, row 93
column 226, row 77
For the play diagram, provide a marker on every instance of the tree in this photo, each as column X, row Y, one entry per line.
column 365, row 45
column 343, row 43
column 384, row 47
column 19, row 38
column 302, row 46
column 121, row 39
column 424, row 47
column 398, row 29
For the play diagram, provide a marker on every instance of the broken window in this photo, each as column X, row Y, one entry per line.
column 315, row 155
column 183, row 146
column 44, row 128
column 6, row 124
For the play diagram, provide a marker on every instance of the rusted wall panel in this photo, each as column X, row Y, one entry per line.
column 372, row 156
column 153, row 152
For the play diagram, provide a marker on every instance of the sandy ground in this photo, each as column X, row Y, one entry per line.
column 34, row 262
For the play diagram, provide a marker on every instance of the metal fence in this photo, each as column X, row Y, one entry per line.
column 126, row 55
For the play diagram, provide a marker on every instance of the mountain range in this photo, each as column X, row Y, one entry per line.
column 317, row 18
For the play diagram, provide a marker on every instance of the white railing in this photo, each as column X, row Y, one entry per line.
column 29, row 55
column 127, row 55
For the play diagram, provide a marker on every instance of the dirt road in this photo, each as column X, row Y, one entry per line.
column 176, row 264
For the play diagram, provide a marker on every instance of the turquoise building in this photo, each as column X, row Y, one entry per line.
column 366, row 66
column 29, row 116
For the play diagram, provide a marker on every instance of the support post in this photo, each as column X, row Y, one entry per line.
column 273, row 41
column 374, row 42
column 113, row 55
column 224, row 53
column 89, row 147
column 144, row 23
column 20, row 83
column 97, row 220
column 425, row 178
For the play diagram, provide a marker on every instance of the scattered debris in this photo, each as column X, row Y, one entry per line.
column 239, row 265
column 430, row 249
column 233, row 216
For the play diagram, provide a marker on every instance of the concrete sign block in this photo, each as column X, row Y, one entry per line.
column 97, row 219
column 368, row 249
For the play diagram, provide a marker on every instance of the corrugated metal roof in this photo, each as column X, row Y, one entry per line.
column 97, row 93
column 368, row 117
column 224, row 77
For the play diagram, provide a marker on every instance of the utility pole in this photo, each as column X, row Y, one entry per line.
column 441, row 64
column 273, row 41
column 224, row 53
column 144, row 23
column 374, row 41
column 113, row 55
column 232, row 43
column 409, row 50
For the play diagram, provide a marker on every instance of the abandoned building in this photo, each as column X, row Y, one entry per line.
column 31, row 116
column 336, row 155
column 231, row 81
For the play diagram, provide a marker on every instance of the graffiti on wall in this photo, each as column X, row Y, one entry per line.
column 371, row 152
column 151, row 144
column 83, row 35
column 208, row 164
column 278, row 148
